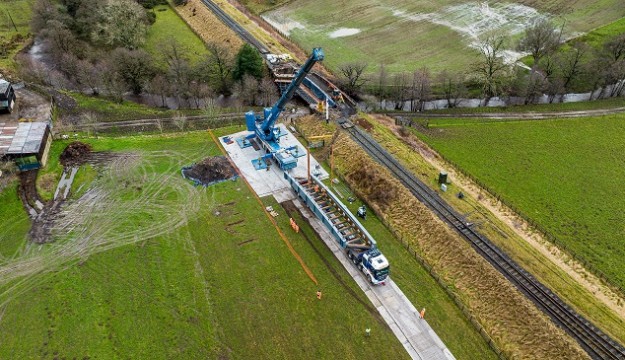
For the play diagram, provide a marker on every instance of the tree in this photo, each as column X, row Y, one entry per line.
column 615, row 48
column 530, row 86
column 112, row 82
column 60, row 38
column 89, row 75
column 398, row 94
column 268, row 92
column 179, row 70
column 571, row 66
column 249, row 89
column 248, row 61
column 490, row 71
column 352, row 77
column 420, row 90
column 540, row 38
column 160, row 86
column 453, row 88
column 135, row 68
column 199, row 91
column 382, row 83
column 610, row 62
column 43, row 12
column 119, row 23
column 220, row 64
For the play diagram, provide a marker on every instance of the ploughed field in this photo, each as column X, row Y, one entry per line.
column 565, row 175
column 405, row 35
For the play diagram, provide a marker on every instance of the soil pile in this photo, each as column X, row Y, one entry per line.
column 210, row 171
column 76, row 153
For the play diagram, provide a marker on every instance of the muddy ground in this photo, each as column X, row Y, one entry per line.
column 30, row 106
column 46, row 214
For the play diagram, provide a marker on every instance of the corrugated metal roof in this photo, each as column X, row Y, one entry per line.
column 22, row 138
column 7, row 131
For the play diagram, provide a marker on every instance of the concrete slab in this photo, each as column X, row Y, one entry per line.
column 270, row 181
column 418, row 338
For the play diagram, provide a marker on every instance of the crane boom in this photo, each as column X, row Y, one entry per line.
column 263, row 125
column 270, row 120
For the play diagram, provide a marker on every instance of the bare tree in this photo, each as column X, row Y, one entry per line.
column 382, row 82
column 400, row 83
column 352, row 77
column 60, row 38
column 43, row 12
column 176, row 59
column 530, row 86
column 248, row 92
column 540, row 38
column 113, row 84
column 453, row 88
column 268, row 92
column 159, row 86
column 610, row 61
column 490, row 71
column 420, row 90
column 615, row 48
column 199, row 91
column 89, row 75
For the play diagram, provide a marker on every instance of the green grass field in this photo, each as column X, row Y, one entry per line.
column 150, row 266
column 170, row 26
column 14, row 19
column 158, row 268
column 562, row 174
column 406, row 35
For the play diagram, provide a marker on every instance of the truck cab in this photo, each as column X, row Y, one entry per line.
column 7, row 96
column 371, row 262
column 377, row 264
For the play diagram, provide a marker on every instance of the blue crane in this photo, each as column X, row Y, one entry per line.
column 263, row 126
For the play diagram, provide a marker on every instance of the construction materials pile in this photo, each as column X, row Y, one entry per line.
column 210, row 171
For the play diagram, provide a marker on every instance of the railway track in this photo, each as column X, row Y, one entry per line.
column 153, row 121
column 597, row 344
column 244, row 34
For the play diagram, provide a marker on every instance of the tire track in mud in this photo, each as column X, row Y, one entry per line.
column 104, row 217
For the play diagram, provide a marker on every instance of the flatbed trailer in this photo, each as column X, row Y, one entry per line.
column 359, row 245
